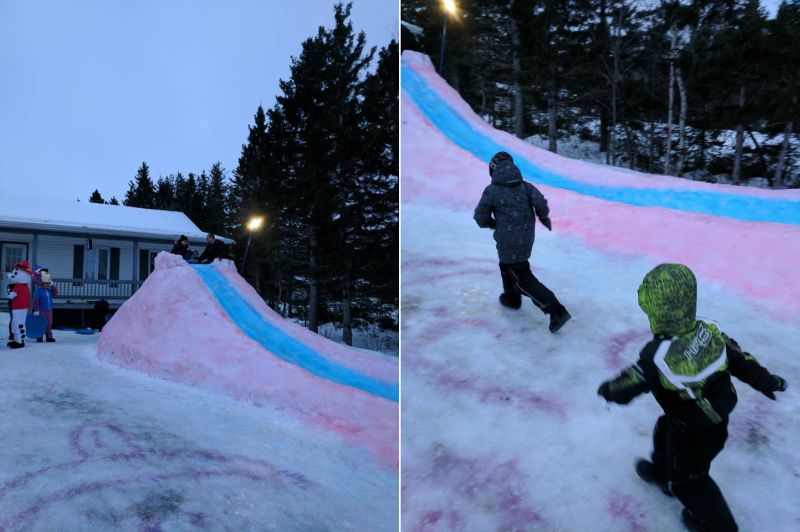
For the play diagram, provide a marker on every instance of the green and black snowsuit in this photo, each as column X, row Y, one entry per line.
column 688, row 366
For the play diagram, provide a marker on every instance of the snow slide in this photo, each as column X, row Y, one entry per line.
column 502, row 429
column 205, row 326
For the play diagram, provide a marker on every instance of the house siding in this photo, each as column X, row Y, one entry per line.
column 6, row 236
column 56, row 254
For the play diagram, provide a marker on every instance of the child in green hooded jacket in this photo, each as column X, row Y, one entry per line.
column 687, row 366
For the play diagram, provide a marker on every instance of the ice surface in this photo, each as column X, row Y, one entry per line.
column 501, row 425
column 90, row 446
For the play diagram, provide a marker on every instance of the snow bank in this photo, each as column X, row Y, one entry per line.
column 174, row 328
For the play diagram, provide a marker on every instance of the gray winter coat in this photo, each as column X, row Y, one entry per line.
column 515, row 203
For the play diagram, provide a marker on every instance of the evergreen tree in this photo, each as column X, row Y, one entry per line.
column 113, row 201
column 660, row 85
column 216, row 204
column 321, row 166
column 375, row 235
column 96, row 197
column 320, row 103
column 140, row 191
column 165, row 193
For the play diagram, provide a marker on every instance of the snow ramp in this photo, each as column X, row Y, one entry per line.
column 745, row 238
column 205, row 326
column 502, row 427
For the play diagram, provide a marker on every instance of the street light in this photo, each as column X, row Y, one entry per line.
column 449, row 7
column 254, row 224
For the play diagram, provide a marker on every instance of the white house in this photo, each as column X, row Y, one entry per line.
column 91, row 250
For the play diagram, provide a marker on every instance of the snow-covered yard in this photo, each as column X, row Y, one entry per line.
column 90, row 446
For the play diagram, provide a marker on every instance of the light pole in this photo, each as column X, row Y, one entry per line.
column 254, row 224
column 449, row 7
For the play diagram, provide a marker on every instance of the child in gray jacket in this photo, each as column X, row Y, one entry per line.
column 510, row 206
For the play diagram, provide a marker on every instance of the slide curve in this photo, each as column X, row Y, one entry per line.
column 281, row 344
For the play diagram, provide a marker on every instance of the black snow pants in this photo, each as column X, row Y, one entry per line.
column 518, row 280
column 684, row 455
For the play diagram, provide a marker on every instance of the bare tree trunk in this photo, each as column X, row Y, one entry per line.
column 290, row 297
column 604, row 132
column 519, row 112
column 281, row 307
column 313, row 285
column 787, row 133
column 612, row 137
column 651, row 149
column 483, row 98
column 615, row 76
column 347, row 319
column 629, row 141
column 736, row 176
column 702, row 164
column 552, row 131
column 668, row 150
column 737, row 155
column 681, row 123
column 761, row 157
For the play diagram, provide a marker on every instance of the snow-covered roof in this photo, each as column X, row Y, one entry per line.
column 24, row 212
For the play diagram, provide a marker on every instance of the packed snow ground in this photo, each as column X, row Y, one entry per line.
column 90, row 446
column 502, row 428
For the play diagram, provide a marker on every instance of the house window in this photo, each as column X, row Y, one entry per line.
column 108, row 265
column 147, row 258
column 77, row 262
column 12, row 253
column 101, row 263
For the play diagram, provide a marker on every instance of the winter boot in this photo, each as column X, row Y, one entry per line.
column 40, row 340
column 558, row 318
column 511, row 300
column 16, row 345
column 650, row 474
column 693, row 524
column 51, row 339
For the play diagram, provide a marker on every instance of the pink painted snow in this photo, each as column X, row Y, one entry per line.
column 173, row 328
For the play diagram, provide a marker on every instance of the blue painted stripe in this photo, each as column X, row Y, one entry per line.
column 461, row 133
column 281, row 344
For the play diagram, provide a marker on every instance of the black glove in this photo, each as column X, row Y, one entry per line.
column 547, row 224
column 778, row 384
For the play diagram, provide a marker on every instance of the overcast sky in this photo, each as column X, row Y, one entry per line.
column 90, row 89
